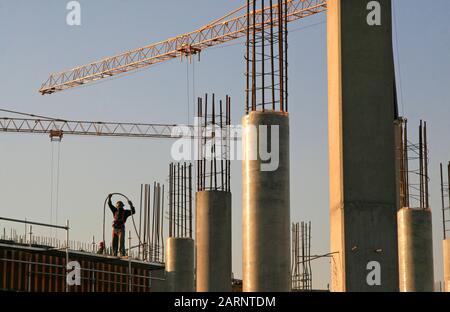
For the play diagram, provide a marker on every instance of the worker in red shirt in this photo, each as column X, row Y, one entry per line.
column 118, row 226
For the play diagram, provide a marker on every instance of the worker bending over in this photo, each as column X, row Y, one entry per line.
column 120, row 218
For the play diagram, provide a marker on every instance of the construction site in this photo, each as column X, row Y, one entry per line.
column 273, row 149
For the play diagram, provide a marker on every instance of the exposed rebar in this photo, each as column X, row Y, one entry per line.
column 152, row 242
column 445, row 194
column 413, row 175
column 260, row 37
column 214, row 148
column 301, row 257
column 180, row 200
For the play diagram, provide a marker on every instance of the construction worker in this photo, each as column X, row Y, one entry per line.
column 120, row 217
column 101, row 248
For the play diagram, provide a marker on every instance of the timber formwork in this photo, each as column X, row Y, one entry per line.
column 25, row 268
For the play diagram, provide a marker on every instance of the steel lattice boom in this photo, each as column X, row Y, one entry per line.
column 58, row 128
column 220, row 31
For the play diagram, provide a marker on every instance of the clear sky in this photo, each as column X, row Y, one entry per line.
column 35, row 41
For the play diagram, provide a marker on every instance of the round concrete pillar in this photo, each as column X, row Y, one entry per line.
column 213, row 241
column 415, row 250
column 266, row 210
column 446, row 250
column 180, row 264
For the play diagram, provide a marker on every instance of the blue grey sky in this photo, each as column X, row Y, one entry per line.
column 35, row 41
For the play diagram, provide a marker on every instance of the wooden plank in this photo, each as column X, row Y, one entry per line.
column 84, row 276
column 103, row 274
column 42, row 273
column 8, row 271
column 123, row 281
column 109, row 277
column 4, row 269
column 19, row 271
column 116, row 286
column 63, row 274
column 57, row 278
column 34, row 272
column 51, row 277
column 91, row 277
column 13, row 271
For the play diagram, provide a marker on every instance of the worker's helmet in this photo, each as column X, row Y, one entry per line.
column 119, row 204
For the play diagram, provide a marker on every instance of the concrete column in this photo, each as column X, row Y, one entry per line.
column 415, row 250
column 266, row 210
column 213, row 241
column 363, row 199
column 446, row 250
column 180, row 264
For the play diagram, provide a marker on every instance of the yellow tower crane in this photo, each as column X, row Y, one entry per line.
column 227, row 28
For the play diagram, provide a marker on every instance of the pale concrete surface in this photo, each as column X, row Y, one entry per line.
column 446, row 251
column 213, row 241
column 266, row 211
column 180, row 265
column 415, row 250
column 363, row 196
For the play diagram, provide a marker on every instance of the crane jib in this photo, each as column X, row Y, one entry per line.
column 230, row 27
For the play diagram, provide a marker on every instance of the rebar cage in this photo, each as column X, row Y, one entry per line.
column 180, row 200
column 213, row 165
column 301, row 257
column 151, row 223
column 413, row 160
column 267, row 57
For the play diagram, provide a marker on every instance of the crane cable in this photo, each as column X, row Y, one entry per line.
column 57, row 179
column 193, row 88
column 188, row 86
column 29, row 115
column 189, row 90
column 104, row 216
column 51, row 186
column 397, row 52
column 54, row 182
